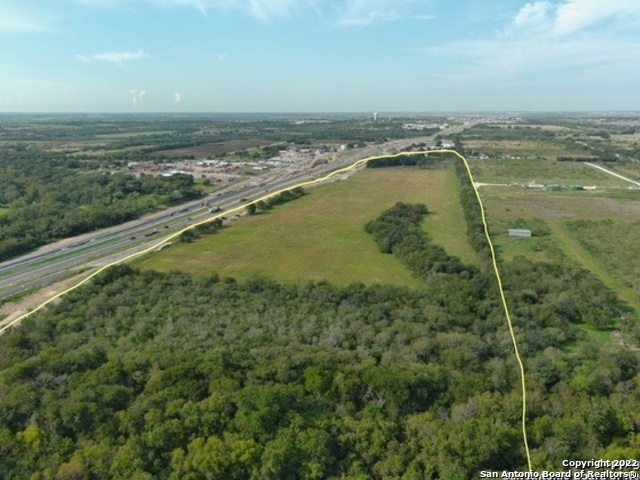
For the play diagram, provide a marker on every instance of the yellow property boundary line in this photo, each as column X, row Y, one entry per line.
column 312, row 182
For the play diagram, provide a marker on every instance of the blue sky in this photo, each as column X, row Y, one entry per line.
column 318, row 55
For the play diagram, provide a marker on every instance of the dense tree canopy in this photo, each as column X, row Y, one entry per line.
column 50, row 199
column 149, row 375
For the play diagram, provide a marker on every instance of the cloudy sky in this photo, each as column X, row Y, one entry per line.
column 318, row 55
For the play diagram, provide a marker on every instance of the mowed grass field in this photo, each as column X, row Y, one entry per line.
column 321, row 236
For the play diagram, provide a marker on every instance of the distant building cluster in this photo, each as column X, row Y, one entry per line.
column 172, row 172
column 558, row 187
column 225, row 170
column 497, row 119
column 424, row 126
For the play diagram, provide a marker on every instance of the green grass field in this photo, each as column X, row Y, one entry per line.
column 524, row 147
column 613, row 247
column 212, row 149
column 4, row 211
column 631, row 170
column 542, row 171
column 321, row 236
column 626, row 138
column 569, row 226
column 116, row 136
column 509, row 207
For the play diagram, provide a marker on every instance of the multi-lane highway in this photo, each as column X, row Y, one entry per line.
column 72, row 256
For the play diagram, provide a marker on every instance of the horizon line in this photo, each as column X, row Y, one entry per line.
column 314, row 112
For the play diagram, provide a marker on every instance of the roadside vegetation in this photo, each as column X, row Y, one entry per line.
column 50, row 199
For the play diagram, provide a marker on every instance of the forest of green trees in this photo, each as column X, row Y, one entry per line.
column 52, row 198
column 421, row 161
column 143, row 375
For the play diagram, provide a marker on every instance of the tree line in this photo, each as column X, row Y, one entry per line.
column 269, row 203
column 578, row 159
column 422, row 161
column 472, row 214
column 398, row 231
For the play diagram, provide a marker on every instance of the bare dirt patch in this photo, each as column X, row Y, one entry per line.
column 12, row 310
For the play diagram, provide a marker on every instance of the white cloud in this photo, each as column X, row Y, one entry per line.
column 115, row 58
column 262, row 9
column 177, row 98
column 497, row 58
column 575, row 15
column 349, row 12
column 201, row 5
column 544, row 36
column 533, row 15
column 370, row 18
column 137, row 97
column 423, row 17
column 362, row 13
column 572, row 16
column 15, row 19
column 267, row 9
column 222, row 56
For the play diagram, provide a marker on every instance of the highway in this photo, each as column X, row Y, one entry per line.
column 69, row 257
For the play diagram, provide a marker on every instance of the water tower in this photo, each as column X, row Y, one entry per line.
column 375, row 116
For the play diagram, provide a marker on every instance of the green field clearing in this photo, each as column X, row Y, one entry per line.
column 614, row 244
column 629, row 170
column 4, row 211
column 207, row 149
column 521, row 148
column 112, row 136
column 542, row 171
column 99, row 151
column 627, row 138
column 571, row 244
column 609, row 253
column 321, row 236
column 514, row 202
